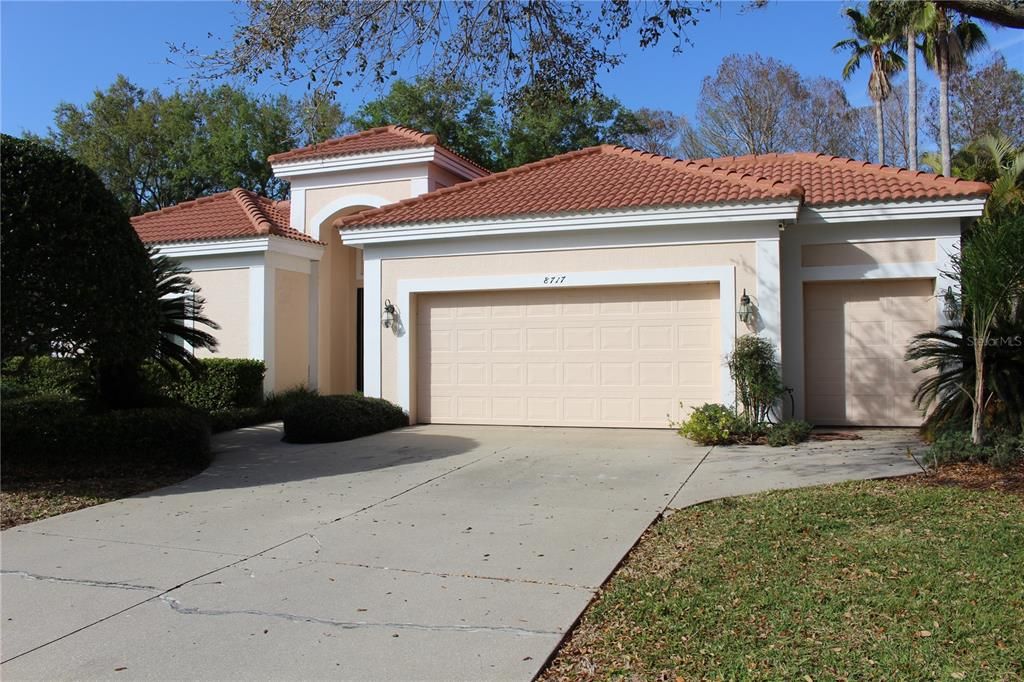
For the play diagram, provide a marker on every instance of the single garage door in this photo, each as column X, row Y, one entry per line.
column 855, row 336
column 596, row 356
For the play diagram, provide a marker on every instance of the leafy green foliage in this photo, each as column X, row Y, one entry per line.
column 326, row 419
column 272, row 409
column 223, row 383
column 181, row 313
column 789, row 432
column 51, row 436
column 712, row 424
column 154, row 150
column 76, row 280
column 26, row 377
column 462, row 116
column 1002, row 449
column 755, row 371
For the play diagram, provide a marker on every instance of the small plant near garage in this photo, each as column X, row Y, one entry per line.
column 759, row 388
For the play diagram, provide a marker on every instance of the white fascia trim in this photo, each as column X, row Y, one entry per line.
column 840, row 273
column 724, row 276
column 783, row 210
column 902, row 210
column 214, row 247
column 398, row 157
column 293, row 247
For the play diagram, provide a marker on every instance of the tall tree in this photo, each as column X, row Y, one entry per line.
column 949, row 40
column 546, row 123
column 505, row 44
column 983, row 100
column 900, row 143
column 154, row 150
column 661, row 134
column 825, row 121
column 463, row 116
column 874, row 41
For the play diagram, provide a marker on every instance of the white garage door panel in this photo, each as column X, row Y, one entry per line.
column 856, row 334
column 597, row 356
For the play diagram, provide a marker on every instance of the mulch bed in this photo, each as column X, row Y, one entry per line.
column 973, row 476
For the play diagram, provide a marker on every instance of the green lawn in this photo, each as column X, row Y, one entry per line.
column 872, row 580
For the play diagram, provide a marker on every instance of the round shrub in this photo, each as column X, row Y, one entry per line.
column 712, row 424
column 326, row 419
column 789, row 432
column 75, row 277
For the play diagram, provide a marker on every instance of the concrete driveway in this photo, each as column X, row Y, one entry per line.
column 433, row 552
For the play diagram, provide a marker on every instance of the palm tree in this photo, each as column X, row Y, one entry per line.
column 947, row 45
column 911, row 18
column 873, row 40
column 181, row 309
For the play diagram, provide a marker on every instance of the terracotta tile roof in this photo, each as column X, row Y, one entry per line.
column 829, row 180
column 592, row 179
column 234, row 214
column 383, row 139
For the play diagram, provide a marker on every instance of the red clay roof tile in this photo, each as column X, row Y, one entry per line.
column 596, row 178
column 829, row 180
column 227, row 215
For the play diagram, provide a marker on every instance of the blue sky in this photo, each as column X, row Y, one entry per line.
column 54, row 51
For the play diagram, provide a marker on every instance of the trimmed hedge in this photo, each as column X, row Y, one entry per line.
column 23, row 377
column 51, row 436
column 226, row 383
column 326, row 419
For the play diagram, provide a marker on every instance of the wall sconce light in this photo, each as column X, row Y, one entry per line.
column 746, row 310
column 950, row 306
column 388, row 318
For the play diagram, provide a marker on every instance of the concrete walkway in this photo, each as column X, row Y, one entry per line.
column 434, row 552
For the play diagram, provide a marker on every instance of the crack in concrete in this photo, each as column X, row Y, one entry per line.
column 80, row 581
column 177, row 607
column 471, row 576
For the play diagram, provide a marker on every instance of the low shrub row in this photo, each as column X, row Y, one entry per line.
column 1002, row 449
column 54, row 436
column 225, row 383
column 713, row 424
column 326, row 419
column 24, row 377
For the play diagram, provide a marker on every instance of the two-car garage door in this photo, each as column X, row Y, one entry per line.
column 596, row 356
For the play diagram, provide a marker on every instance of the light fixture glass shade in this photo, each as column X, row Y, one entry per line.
column 746, row 309
column 950, row 304
column 388, row 316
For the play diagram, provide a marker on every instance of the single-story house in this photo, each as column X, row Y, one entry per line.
column 602, row 287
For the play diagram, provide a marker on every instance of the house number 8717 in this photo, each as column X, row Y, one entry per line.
column 554, row 279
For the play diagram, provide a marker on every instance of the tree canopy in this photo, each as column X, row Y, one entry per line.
column 154, row 150
column 501, row 44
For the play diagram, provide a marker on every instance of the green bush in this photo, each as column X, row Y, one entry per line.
column 271, row 410
column 53, row 436
column 954, row 445
column 754, row 369
column 713, row 424
column 225, row 383
column 1007, row 450
column 23, row 377
column 326, row 419
column 789, row 432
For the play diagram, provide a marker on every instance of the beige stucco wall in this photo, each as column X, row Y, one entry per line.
column 439, row 177
column 337, row 300
column 317, row 199
column 868, row 253
column 291, row 337
column 227, row 303
column 740, row 255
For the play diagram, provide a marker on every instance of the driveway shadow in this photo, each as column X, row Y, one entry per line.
column 257, row 456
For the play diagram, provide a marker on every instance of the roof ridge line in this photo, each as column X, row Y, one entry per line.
column 470, row 184
column 421, row 138
column 253, row 211
column 706, row 169
column 181, row 205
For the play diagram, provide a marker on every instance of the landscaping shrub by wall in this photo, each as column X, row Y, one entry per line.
column 22, row 377
column 326, row 419
column 54, row 436
column 225, row 383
